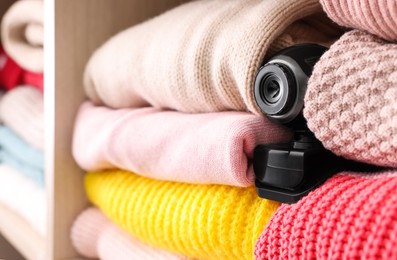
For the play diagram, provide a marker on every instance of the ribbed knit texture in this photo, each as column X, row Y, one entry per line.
column 377, row 17
column 351, row 216
column 201, row 221
column 22, row 110
column 17, row 32
column 94, row 236
column 24, row 197
column 201, row 56
column 207, row 148
column 351, row 99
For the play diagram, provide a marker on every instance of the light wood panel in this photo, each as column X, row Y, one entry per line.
column 80, row 26
column 73, row 30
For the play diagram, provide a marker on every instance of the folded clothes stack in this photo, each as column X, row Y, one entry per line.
column 22, row 114
column 350, row 107
column 199, row 221
column 169, row 130
column 350, row 101
column 22, row 35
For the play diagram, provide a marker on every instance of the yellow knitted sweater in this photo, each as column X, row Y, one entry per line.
column 199, row 221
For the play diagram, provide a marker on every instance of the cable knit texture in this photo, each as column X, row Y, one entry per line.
column 95, row 236
column 207, row 148
column 351, row 216
column 201, row 56
column 21, row 28
column 22, row 110
column 201, row 221
column 351, row 99
column 376, row 17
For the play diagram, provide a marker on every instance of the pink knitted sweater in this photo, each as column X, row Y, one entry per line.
column 352, row 216
column 168, row 145
column 94, row 236
column 377, row 17
column 351, row 99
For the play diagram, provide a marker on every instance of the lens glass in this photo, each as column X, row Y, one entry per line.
column 271, row 89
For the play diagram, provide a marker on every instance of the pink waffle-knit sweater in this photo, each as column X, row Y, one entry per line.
column 350, row 103
column 351, row 216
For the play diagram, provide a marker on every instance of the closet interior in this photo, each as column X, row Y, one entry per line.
column 73, row 30
column 208, row 210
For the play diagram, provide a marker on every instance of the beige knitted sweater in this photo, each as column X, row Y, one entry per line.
column 201, row 56
column 22, row 34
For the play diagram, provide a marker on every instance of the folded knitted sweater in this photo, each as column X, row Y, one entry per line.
column 22, row 34
column 24, row 197
column 33, row 173
column 12, row 75
column 351, row 216
column 376, row 17
column 350, row 103
column 22, row 110
column 201, row 56
column 15, row 146
column 94, row 236
column 201, row 221
column 207, row 148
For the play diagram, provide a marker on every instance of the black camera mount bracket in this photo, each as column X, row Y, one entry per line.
column 288, row 171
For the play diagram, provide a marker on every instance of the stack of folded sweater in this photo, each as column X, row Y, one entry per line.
column 168, row 133
column 22, row 114
column 351, row 108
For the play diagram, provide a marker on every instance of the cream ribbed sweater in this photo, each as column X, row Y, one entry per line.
column 201, row 56
column 22, row 34
column 22, row 109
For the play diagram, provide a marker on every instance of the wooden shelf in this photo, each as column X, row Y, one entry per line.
column 21, row 235
column 73, row 30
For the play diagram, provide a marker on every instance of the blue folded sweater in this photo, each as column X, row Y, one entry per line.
column 15, row 152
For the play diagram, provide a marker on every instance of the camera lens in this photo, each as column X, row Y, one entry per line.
column 275, row 90
column 271, row 89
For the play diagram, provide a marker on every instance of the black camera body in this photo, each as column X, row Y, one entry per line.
column 285, row 172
